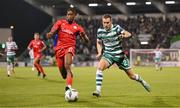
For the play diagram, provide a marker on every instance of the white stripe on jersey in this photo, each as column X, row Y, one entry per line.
column 9, row 47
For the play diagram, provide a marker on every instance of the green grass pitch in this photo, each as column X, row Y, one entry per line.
column 25, row 89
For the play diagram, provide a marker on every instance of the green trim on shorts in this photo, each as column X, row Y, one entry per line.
column 123, row 62
column 10, row 59
column 157, row 59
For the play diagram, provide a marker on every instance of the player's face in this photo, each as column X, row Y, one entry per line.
column 70, row 15
column 36, row 36
column 10, row 38
column 107, row 23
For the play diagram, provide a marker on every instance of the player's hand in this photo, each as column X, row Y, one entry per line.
column 98, row 55
column 49, row 35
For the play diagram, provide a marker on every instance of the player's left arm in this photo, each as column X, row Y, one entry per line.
column 122, row 32
column 15, row 46
column 83, row 35
column 44, row 46
column 85, row 38
column 125, row 34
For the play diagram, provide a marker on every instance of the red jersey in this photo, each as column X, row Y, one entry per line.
column 36, row 45
column 66, row 33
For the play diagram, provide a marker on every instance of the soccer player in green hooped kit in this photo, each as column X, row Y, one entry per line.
column 110, row 36
column 10, row 50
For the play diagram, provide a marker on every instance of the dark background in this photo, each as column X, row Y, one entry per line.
column 25, row 19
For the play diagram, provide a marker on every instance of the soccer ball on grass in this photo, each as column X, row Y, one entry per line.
column 71, row 95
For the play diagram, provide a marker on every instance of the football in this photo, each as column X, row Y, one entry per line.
column 71, row 95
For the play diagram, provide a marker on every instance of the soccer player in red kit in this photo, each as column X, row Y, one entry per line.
column 38, row 46
column 67, row 30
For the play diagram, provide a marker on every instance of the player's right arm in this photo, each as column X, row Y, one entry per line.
column 99, row 48
column 54, row 29
column 15, row 48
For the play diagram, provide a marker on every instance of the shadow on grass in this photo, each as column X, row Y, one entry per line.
column 21, row 78
column 53, row 81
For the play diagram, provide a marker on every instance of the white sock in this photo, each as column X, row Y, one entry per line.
column 157, row 67
column 8, row 70
column 138, row 78
column 99, row 79
column 69, row 86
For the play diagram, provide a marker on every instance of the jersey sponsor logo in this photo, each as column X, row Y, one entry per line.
column 111, row 33
column 111, row 40
column 67, row 31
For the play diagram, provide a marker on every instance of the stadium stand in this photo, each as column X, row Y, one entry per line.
column 162, row 31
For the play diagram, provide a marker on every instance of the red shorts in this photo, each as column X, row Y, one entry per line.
column 37, row 55
column 60, row 54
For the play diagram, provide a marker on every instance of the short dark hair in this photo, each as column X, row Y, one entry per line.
column 36, row 33
column 73, row 10
column 107, row 16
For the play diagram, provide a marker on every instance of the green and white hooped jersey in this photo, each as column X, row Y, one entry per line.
column 9, row 47
column 111, row 40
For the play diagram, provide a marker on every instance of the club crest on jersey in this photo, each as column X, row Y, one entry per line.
column 66, row 31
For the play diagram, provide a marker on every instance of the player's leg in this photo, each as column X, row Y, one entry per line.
column 41, row 68
column 60, row 63
column 12, row 64
column 103, row 64
column 32, row 62
column 67, row 64
column 159, row 64
column 63, row 72
column 125, row 65
column 138, row 78
column 8, row 66
column 36, row 64
column 156, row 64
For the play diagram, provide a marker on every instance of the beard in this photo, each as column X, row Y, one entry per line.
column 70, row 21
